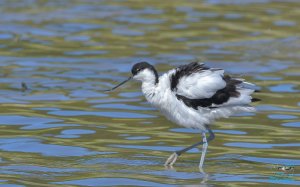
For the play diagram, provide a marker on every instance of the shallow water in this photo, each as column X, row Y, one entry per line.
column 59, row 129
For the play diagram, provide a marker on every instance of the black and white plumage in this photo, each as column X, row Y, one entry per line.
column 194, row 96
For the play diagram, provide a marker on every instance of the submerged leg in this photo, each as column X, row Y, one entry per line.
column 172, row 159
column 204, row 148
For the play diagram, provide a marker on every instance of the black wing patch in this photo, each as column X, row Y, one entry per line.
column 185, row 70
column 220, row 97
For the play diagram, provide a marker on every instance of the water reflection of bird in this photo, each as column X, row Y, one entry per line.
column 193, row 96
column 285, row 168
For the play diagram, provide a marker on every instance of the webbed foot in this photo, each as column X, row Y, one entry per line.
column 171, row 160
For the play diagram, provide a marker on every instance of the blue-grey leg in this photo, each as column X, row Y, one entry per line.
column 173, row 157
column 204, row 148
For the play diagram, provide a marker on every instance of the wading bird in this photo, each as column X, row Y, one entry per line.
column 193, row 96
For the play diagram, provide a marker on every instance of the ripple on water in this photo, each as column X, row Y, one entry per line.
column 260, row 145
column 103, row 114
column 111, row 100
column 43, row 97
column 22, row 29
column 9, row 100
column 155, row 148
column 48, row 126
column 284, row 23
column 31, row 122
column 86, row 94
column 81, row 38
column 281, row 116
column 33, row 168
column 74, row 133
column 175, row 174
column 138, row 20
column 138, row 138
column 252, row 67
column 236, row 2
column 292, row 124
column 275, row 108
column 268, row 78
column 219, row 52
column 45, row 108
column 179, row 26
column 6, row 36
column 284, row 88
column 122, row 161
column 82, row 53
column 131, row 94
column 33, row 145
column 233, row 16
column 72, row 27
column 112, row 182
column 4, row 184
column 123, row 106
column 252, row 178
column 266, row 160
column 127, row 32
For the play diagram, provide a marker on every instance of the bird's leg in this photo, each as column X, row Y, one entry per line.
column 204, row 148
column 172, row 159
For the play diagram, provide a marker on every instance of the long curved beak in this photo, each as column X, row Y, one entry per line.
column 108, row 90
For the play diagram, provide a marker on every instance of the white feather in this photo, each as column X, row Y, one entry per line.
column 201, row 85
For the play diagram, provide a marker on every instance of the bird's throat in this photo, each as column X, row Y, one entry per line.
column 149, row 89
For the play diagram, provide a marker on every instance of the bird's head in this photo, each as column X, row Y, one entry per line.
column 142, row 71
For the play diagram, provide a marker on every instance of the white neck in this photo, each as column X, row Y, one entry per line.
column 149, row 89
column 149, row 85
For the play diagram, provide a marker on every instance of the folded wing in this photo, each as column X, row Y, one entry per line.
column 199, row 86
column 196, row 81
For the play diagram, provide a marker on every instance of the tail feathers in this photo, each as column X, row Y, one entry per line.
column 227, row 111
column 255, row 100
column 248, row 85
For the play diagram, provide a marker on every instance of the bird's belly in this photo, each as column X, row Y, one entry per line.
column 183, row 115
column 176, row 111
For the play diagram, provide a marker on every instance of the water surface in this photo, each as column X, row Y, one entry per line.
column 59, row 129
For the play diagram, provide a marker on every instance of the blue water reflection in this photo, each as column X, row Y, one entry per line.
column 31, row 145
column 260, row 145
column 112, row 182
column 102, row 114
column 74, row 133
